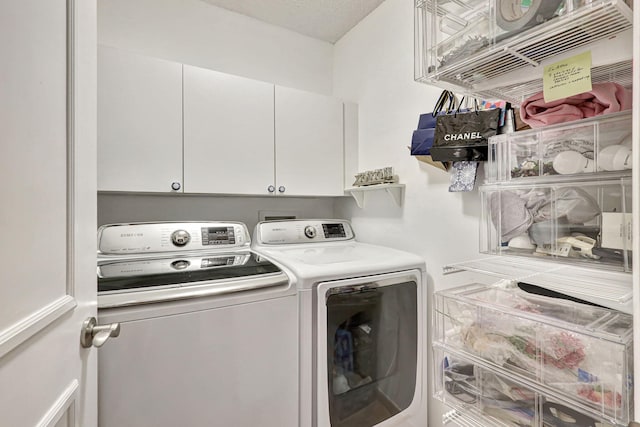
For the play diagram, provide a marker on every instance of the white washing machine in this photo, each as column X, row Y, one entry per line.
column 208, row 329
column 363, row 325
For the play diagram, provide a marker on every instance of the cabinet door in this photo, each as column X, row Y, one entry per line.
column 139, row 122
column 350, row 143
column 228, row 133
column 309, row 144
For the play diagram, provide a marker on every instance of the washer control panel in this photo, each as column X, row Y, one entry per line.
column 140, row 238
column 302, row 231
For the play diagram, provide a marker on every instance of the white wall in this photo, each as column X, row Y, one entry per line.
column 196, row 33
column 373, row 66
column 126, row 207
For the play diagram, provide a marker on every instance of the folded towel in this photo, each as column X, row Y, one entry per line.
column 513, row 212
column 509, row 214
column 603, row 98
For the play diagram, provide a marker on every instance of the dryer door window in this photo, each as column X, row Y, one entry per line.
column 371, row 352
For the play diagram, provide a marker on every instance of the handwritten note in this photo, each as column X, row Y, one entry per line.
column 568, row 77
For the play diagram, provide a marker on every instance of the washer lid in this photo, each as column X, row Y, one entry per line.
column 343, row 253
column 177, row 271
column 325, row 261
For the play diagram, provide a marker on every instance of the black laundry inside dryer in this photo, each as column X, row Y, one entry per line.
column 371, row 353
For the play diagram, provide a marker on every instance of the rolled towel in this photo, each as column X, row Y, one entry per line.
column 603, row 98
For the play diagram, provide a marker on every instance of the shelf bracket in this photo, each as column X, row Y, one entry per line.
column 397, row 194
column 521, row 56
column 395, row 191
column 358, row 196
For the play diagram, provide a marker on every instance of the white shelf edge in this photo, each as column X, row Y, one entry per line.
column 396, row 191
column 609, row 288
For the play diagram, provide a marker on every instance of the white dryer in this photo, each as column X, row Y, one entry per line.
column 363, row 326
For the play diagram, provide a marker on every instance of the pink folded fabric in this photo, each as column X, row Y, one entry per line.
column 603, row 98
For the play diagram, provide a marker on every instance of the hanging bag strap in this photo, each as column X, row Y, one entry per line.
column 446, row 98
column 475, row 105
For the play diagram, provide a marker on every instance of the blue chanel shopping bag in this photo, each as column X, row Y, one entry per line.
column 422, row 139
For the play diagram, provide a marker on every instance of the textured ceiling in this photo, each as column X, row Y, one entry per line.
column 321, row 19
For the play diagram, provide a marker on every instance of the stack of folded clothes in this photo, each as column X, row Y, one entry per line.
column 604, row 98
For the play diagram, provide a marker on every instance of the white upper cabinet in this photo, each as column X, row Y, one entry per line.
column 168, row 127
column 309, row 144
column 350, row 143
column 228, row 133
column 139, row 122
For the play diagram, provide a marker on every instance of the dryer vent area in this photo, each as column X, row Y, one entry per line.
column 371, row 353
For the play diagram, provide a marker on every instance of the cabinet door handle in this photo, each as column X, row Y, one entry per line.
column 271, row 189
column 281, row 189
column 175, row 185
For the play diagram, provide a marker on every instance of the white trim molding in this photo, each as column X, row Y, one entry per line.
column 636, row 205
column 71, row 142
column 62, row 405
column 24, row 329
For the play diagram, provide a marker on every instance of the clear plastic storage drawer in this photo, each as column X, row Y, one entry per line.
column 458, row 29
column 485, row 397
column 490, row 398
column 489, row 46
column 578, row 354
column 586, row 222
column 600, row 144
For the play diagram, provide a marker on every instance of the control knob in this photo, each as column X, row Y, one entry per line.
column 180, row 237
column 310, row 231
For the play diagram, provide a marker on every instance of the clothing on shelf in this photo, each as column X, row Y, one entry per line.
column 604, row 98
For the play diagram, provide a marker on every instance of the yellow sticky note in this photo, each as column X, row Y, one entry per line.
column 568, row 77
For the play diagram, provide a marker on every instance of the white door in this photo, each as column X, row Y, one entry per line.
column 228, row 133
column 636, row 209
column 309, row 144
column 139, row 122
column 48, row 212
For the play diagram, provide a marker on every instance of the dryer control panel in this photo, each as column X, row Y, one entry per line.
column 302, row 231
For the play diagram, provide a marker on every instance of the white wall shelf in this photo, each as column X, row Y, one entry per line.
column 396, row 191
column 608, row 288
